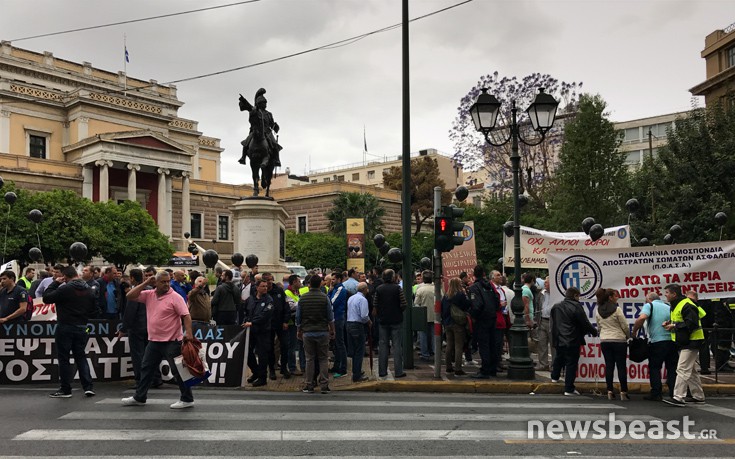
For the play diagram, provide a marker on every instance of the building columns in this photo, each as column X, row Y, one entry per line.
column 164, row 222
column 88, row 182
column 132, row 182
column 4, row 131
column 185, row 203
column 104, row 188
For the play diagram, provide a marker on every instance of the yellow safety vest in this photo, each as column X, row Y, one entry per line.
column 676, row 317
column 303, row 290
column 293, row 296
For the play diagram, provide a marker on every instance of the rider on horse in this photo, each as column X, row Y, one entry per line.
column 261, row 121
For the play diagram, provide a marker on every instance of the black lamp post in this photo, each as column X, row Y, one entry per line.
column 541, row 113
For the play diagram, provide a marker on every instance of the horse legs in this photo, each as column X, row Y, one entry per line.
column 266, row 182
column 256, row 190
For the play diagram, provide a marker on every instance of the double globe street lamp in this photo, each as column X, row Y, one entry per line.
column 541, row 113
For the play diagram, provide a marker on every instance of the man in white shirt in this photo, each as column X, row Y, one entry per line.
column 544, row 329
column 358, row 314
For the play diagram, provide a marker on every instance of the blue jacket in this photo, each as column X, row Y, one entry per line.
column 338, row 296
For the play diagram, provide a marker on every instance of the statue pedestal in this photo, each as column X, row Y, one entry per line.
column 260, row 229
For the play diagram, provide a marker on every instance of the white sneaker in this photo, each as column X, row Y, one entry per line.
column 555, row 380
column 569, row 394
column 180, row 405
column 131, row 401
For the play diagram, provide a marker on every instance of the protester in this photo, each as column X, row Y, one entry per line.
column 42, row 274
column 661, row 347
column 351, row 281
column 225, row 300
column 75, row 305
column 569, row 325
column 707, row 322
column 200, row 306
column 338, row 297
column 315, row 326
column 110, row 297
column 54, row 271
column 425, row 298
column 544, row 328
column 501, row 324
column 279, row 327
column 388, row 305
column 27, row 280
column 455, row 325
column 614, row 333
column 88, row 277
column 485, row 305
column 13, row 299
column 135, row 327
column 292, row 299
column 165, row 311
column 686, row 327
column 259, row 317
column 179, row 284
column 358, row 316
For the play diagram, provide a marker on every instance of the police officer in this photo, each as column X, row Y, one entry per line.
column 259, row 313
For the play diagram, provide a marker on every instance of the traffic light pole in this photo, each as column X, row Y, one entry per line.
column 437, row 293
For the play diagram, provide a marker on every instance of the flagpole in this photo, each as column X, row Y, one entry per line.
column 125, row 64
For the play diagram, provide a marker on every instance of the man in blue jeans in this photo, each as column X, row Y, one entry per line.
column 661, row 348
column 338, row 297
column 75, row 305
column 358, row 315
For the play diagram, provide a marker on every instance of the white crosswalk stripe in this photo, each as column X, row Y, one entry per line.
column 304, row 419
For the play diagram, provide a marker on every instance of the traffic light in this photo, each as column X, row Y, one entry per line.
column 446, row 227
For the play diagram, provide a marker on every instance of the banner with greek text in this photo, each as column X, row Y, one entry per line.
column 537, row 244
column 28, row 353
column 706, row 268
column 462, row 257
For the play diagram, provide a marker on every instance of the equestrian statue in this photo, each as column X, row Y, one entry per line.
column 261, row 146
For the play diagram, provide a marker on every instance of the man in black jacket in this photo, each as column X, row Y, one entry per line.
column 388, row 306
column 225, row 301
column 279, row 327
column 135, row 326
column 569, row 325
column 259, row 315
column 485, row 305
column 75, row 305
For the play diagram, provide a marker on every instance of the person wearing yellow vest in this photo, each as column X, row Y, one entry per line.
column 293, row 293
column 686, row 325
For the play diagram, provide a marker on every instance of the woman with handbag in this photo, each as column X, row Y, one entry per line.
column 614, row 333
column 454, row 318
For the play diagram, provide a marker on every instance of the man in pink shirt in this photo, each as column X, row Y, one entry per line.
column 166, row 310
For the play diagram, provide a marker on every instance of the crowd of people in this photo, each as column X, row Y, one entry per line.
column 294, row 324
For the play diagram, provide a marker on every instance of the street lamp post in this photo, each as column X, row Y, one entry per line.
column 541, row 112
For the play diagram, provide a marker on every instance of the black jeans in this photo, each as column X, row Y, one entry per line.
column 283, row 341
column 356, row 338
column 662, row 353
column 567, row 357
column 615, row 357
column 155, row 353
column 137, row 343
column 485, row 334
column 261, row 345
column 72, row 339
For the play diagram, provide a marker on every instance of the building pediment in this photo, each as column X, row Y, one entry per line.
column 145, row 148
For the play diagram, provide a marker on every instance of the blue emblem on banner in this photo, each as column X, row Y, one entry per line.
column 579, row 271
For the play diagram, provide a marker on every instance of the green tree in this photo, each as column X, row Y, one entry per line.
column 356, row 205
column 691, row 179
column 317, row 250
column 125, row 233
column 424, row 177
column 592, row 179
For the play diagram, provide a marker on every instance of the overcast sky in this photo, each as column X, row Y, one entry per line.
column 642, row 56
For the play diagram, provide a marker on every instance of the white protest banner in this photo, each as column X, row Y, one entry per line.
column 43, row 312
column 537, row 244
column 706, row 268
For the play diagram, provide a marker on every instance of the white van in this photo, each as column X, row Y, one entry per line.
column 298, row 270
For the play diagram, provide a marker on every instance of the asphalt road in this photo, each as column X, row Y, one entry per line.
column 231, row 423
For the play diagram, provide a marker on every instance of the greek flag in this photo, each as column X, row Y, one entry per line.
column 127, row 56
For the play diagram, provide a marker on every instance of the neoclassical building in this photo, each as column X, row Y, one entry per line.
column 107, row 136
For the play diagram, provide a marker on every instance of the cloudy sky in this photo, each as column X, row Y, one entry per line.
column 642, row 56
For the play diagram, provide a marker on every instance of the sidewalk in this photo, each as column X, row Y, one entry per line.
column 421, row 379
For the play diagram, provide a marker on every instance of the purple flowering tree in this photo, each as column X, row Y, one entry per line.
column 492, row 164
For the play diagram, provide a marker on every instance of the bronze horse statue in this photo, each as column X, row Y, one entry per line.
column 260, row 146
